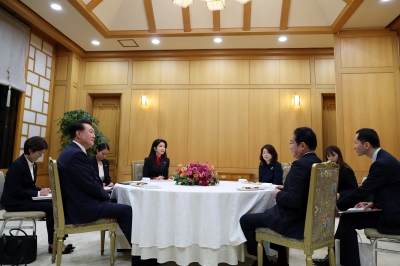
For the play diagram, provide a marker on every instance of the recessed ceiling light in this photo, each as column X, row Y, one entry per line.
column 95, row 42
column 56, row 6
column 217, row 40
column 155, row 41
column 282, row 39
column 386, row 0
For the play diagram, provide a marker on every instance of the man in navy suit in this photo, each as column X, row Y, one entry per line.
column 383, row 183
column 288, row 216
column 84, row 198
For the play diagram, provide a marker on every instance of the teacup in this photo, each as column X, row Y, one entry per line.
column 146, row 179
column 242, row 180
column 266, row 184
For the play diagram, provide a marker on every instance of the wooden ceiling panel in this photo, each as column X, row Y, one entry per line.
column 265, row 13
column 200, row 16
column 167, row 15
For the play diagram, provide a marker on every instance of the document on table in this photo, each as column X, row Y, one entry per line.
column 352, row 210
column 48, row 197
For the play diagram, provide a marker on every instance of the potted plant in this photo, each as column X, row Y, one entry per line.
column 72, row 116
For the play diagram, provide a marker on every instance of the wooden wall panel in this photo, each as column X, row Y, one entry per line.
column 294, row 71
column 204, row 72
column 233, row 128
column 292, row 117
column 234, row 72
column 175, row 72
column 360, row 91
column 106, row 73
column 374, row 51
column 264, row 71
column 73, row 98
column 143, row 124
column 75, row 69
column 146, row 72
column 57, row 112
column 173, row 124
column 62, row 68
column 324, row 71
column 264, row 123
column 203, row 124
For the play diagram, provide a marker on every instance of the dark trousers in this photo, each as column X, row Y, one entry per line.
column 249, row 223
column 346, row 232
column 44, row 206
column 123, row 214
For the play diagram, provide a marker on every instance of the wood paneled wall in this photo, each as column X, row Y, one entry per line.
column 368, row 95
column 217, row 110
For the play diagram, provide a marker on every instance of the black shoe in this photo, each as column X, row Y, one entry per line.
column 69, row 246
column 65, row 251
column 137, row 261
column 321, row 262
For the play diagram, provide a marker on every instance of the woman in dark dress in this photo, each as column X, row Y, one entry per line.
column 157, row 164
column 347, row 179
column 101, row 164
column 270, row 170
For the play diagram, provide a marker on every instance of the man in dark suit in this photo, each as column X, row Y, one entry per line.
column 84, row 198
column 383, row 183
column 288, row 216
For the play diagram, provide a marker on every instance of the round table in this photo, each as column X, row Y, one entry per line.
column 191, row 223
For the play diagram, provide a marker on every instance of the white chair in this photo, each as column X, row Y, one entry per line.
column 29, row 216
column 374, row 237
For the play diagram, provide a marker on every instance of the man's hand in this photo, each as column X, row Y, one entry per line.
column 44, row 191
column 277, row 190
column 364, row 205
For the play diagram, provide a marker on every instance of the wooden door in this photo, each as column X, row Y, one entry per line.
column 106, row 109
column 329, row 123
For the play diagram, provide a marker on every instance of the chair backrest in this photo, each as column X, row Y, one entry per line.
column 58, row 208
column 285, row 167
column 137, row 170
column 320, row 218
column 1, row 187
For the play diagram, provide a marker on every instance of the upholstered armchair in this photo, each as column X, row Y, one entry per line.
column 320, row 217
column 286, row 169
column 137, row 170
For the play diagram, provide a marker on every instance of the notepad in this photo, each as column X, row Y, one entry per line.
column 48, row 197
column 353, row 210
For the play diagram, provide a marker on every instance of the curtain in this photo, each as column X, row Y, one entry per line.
column 14, row 44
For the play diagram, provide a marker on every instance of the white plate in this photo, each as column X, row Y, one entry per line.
column 158, row 180
column 252, row 189
column 139, row 184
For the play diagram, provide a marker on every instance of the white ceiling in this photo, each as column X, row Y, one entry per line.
column 128, row 19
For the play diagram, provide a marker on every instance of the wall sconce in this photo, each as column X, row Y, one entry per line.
column 296, row 100
column 144, row 100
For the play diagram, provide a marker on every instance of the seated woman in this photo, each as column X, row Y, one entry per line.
column 347, row 179
column 270, row 170
column 157, row 164
column 101, row 165
column 20, row 187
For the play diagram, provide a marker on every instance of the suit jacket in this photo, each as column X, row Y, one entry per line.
column 82, row 191
column 19, row 188
column 106, row 168
column 288, row 216
column 347, row 182
column 270, row 173
column 384, row 183
column 151, row 168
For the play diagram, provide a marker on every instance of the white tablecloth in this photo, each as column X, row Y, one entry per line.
column 191, row 223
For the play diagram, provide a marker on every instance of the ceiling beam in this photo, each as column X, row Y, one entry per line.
column 186, row 20
column 345, row 15
column 247, row 16
column 395, row 25
column 285, row 14
column 92, row 4
column 216, row 21
column 150, row 16
column 347, row 1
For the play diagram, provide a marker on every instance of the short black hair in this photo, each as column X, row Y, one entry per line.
column 35, row 144
column 368, row 135
column 77, row 125
column 102, row 146
column 306, row 135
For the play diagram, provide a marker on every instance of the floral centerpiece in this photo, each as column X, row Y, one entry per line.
column 202, row 174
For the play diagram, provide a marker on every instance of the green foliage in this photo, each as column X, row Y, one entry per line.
column 72, row 116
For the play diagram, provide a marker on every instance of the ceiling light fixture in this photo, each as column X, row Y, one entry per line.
column 155, row 41
column 95, row 42
column 217, row 40
column 182, row 3
column 56, row 6
column 282, row 39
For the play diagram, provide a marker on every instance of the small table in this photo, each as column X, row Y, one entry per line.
column 191, row 223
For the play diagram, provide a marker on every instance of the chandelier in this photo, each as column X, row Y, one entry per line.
column 212, row 5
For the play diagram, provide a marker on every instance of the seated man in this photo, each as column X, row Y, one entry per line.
column 84, row 198
column 384, row 183
column 288, row 216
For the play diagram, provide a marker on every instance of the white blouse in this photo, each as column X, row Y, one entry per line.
column 101, row 172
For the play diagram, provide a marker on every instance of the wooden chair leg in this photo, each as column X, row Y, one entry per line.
column 102, row 236
column 59, row 244
column 260, row 251
column 112, row 248
column 331, row 255
column 53, row 254
column 309, row 261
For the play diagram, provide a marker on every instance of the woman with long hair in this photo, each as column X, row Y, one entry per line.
column 270, row 170
column 157, row 164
